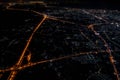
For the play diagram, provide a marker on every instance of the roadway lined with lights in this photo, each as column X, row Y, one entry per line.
column 13, row 73
column 108, row 50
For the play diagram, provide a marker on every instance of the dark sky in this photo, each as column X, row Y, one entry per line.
column 111, row 4
column 115, row 4
column 103, row 3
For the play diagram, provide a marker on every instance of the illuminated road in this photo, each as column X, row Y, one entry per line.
column 108, row 50
column 13, row 73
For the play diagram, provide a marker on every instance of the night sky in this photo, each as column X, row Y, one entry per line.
column 112, row 4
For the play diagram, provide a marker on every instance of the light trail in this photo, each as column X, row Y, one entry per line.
column 82, row 33
column 108, row 50
column 13, row 73
column 48, row 17
column 51, row 60
column 57, row 59
column 97, row 17
column 53, row 18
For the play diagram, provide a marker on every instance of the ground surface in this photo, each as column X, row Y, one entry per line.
column 59, row 43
